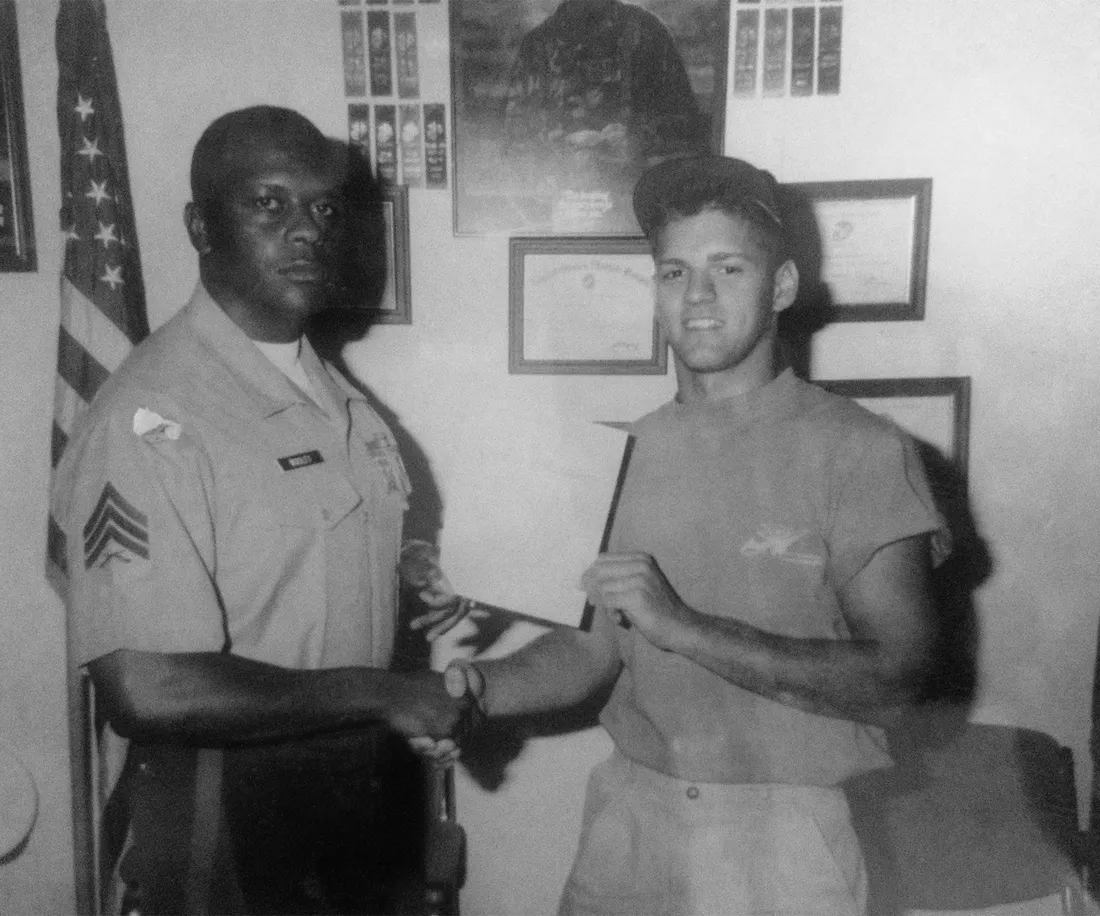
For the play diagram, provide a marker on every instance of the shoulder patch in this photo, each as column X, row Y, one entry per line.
column 116, row 530
column 153, row 427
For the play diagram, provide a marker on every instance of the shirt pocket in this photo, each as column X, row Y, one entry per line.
column 312, row 498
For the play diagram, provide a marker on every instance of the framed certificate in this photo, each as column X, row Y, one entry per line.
column 16, row 225
column 395, row 306
column 580, row 305
column 935, row 411
column 872, row 240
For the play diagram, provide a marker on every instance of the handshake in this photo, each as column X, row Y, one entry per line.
column 436, row 712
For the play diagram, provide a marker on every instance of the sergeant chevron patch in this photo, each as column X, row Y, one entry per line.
column 115, row 531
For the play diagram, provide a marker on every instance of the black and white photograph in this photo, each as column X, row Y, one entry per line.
column 560, row 104
column 527, row 457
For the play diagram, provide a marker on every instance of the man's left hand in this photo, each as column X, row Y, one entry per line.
column 633, row 586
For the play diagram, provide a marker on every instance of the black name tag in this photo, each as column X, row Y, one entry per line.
column 303, row 460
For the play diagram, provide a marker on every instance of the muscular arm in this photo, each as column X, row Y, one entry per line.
column 213, row 698
column 555, row 671
column 869, row 678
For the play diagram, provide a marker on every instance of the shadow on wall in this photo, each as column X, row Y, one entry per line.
column 971, row 815
column 329, row 333
column 361, row 287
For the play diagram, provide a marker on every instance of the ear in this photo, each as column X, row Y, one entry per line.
column 196, row 228
column 785, row 286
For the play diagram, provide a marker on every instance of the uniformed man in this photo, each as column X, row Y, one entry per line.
column 233, row 510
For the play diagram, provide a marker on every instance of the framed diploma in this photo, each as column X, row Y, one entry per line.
column 873, row 240
column 580, row 305
column 16, row 227
column 395, row 305
column 559, row 106
column 935, row 411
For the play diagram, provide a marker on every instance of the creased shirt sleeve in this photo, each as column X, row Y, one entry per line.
column 139, row 537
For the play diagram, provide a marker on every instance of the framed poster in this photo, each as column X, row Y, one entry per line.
column 16, row 223
column 395, row 306
column 582, row 305
column 873, row 239
column 560, row 104
column 935, row 411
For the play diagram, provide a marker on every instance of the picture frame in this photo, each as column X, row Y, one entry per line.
column 934, row 410
column 579, row 305
column 868, row 240
column 17, row 247
column 551, row 157
column 395, row 304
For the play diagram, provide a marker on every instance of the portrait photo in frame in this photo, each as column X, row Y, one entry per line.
column 934, row 411
column 395, row 306
column 582, row 306
column 868, row 241
column 559, row 105
column 17, row 250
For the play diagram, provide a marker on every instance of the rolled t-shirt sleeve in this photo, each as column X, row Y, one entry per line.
column 880, row 497
column 133, row 503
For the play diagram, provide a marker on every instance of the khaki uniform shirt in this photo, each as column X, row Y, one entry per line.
column 209, row 504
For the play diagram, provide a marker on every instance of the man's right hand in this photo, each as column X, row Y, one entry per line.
column 465, row 685
column 419, row 706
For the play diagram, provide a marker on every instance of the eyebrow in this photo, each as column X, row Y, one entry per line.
column 713, row 258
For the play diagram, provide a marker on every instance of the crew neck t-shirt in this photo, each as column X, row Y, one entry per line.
column 757, row 507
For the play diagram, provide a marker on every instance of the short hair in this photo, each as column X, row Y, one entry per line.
column 230, row 138
column 689, row 185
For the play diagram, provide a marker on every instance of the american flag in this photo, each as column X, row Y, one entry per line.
column 102, row 294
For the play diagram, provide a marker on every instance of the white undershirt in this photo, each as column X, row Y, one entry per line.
column 286, row 357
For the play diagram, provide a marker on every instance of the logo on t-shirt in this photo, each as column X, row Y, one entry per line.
column 776, row 541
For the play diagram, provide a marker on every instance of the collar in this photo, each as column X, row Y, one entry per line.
column 265, row 385
column 770, row 398
column 328, row 383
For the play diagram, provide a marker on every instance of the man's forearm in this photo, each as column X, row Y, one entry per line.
column 556, row 671
column 871, row 675
column 213, row 698
column 845, row 679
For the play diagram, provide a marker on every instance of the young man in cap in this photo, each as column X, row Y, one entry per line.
column 233, row 510
column 764, row 606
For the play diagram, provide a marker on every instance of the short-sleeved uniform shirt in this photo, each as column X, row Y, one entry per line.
column 210, row 505
column 757, row 508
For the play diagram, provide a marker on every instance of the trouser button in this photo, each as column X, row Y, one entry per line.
column 693, row 792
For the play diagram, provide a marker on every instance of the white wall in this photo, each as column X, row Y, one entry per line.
column 995, row 102
column 994, row 99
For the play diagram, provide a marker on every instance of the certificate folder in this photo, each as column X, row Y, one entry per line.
column 589, row 609
column 520, row 538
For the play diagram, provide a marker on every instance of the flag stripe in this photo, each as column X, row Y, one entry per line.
column 58, row 440
column 68, row 406
column 78, row 367
column 56, row 546
column 91, row 327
